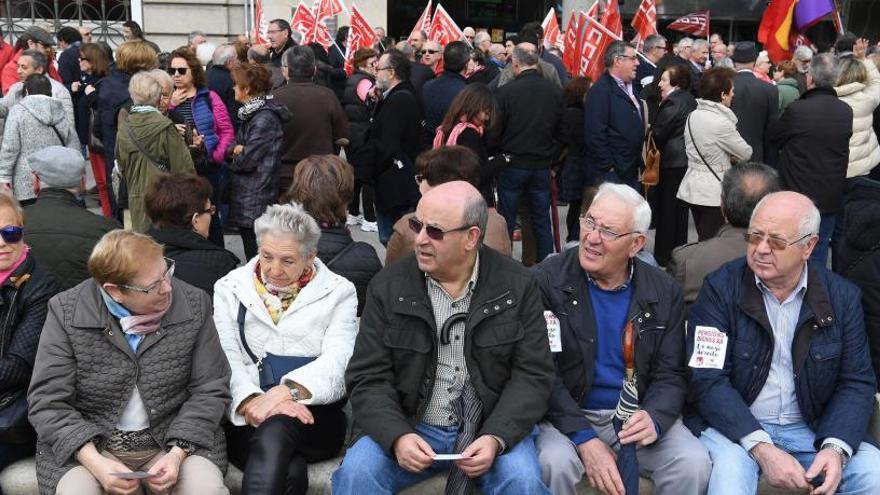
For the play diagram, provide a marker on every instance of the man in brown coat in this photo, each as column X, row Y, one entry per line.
column 743, row 186
column 318, row 122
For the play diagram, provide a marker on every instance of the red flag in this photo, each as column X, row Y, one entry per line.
column 645, row 20
column 424, row 22
column 776, row 28
column 324, row 9
column 443, row 29
column 696, row 24
column 360, row 35
column 261, row 25
column 581, row 26
column 321, row 10
column 552, row 36
column 595, row 42
column 569, row 51
column 802, row 40
column 303, row 21
column 611, row 18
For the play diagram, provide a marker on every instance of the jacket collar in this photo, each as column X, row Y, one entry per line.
column 617, row 90
column 90, row 311
column 448, row 74
column 819, row 91
column 59, row 196
column 728, row 231
column 574, row 279
column 182, row 238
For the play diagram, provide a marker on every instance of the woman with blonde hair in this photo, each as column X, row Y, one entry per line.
column 858, row 85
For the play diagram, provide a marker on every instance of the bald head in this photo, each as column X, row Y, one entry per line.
column 461, row 199
column 790, row 208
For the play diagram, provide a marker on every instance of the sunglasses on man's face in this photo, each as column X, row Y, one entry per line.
column 435, row 233
column 177, row 70
column 432, row 52
column 11, row 234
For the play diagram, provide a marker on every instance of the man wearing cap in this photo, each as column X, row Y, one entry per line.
column 755, row 103
column 33, row 38
column 62, row 246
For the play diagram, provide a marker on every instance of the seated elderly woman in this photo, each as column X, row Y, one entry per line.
column 25, row 289
column 180, row 208
column 287, row 324
column 147, row 145
column 324, row 184
column 130, row 381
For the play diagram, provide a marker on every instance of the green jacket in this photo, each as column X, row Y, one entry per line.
column 157, row 136
column 788, row 92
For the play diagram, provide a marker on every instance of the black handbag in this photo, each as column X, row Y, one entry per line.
column 272, row 367
column 14, row 426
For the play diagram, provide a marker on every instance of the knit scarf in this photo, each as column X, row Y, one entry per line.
column 251, row 106
column 142, row 109
column 440, row 140
column 134, row 324
column 278, row 299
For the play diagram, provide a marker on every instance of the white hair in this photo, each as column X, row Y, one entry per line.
column 481, row 37
column 685, row 42
column 223, row 54
column 699, row 43
column 290, row 219
column 809, row 222
column 641, row 210
column 205, row 52
column 803, row 53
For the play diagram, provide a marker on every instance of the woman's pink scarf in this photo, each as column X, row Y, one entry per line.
column 4, row 275
column 456, row 131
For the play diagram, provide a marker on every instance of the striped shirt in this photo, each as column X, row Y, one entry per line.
column 451, row 366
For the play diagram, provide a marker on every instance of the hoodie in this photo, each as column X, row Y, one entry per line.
column 36, row 122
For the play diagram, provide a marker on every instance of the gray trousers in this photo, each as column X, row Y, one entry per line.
column 677, row 463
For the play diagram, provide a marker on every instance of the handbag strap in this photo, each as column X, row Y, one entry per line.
column 339, row 254
column 691, row 132
column 63, row 143
column 242, row 311
column 158, row 163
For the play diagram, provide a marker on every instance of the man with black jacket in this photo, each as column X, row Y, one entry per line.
column 280, row 39
column 755, row 104
column 530, row 111
column 437, row 94
column 596, row 298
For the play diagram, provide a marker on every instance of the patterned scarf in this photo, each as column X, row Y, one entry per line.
column 251, row 106
column 278, row 299
column 134, row 324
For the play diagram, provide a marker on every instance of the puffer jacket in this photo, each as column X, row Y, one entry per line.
column 668, row 128
column 715, row 135
column 788, row 92
column 864, row 151
column 158, row 136
column 253, row 184
column 35, row 123
column 213, row 122
column 358, row 263
column 85, row 371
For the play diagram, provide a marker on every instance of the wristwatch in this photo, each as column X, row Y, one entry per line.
column 187, row 447
column 294, row 390
column 844, row 457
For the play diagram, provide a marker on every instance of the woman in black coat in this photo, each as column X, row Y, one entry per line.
column 357, row 103
column 323, row 184
column 179, row 205
column 256, row 155
column 576, row 175
column 671, row 213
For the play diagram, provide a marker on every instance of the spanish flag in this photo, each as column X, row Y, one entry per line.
column 776, row 28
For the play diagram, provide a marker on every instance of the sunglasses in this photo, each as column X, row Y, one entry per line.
column 11, row 234
column 177, row 70
column 432, row 52
column 435, row 233
column 775, row 243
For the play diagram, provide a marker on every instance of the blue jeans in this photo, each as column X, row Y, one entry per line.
column 385, row 221
column 368, row 469
column 826, row 228
column 536, row 184
column 734, row 471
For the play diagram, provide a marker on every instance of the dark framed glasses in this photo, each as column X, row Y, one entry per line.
column 435, row 233
column 169, row 272
column 212, row 210
column 775, row 243
column 432, row 52
column 177, row 70
column 12, row 234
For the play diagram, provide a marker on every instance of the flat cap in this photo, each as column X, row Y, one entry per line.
column 58, row 166
column 745, row 52
column 40, row 34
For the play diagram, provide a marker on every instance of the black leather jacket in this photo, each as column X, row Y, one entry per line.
column 668, row 128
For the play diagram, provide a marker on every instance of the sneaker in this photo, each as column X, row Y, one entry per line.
column 369, row 226
column 353, row 220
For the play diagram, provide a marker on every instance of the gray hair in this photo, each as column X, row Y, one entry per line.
column 700, row 43
column 205, row 52
column 145, row 89
column 825, row 68
column 726, row 62
column 481, row 37
column 525, row 58
column 224, row 53
column 39, row 59
column 685, row 43
column 193, row 35
column 300, row 62
column 614, row 50
column 641, row 211
column 808, row 224
column 290, row 219
column 162, row 77
column 743, row 187
column 259, row 54
column 476, row 213
column 653, row 41
column 406, row 49
column 803, row 53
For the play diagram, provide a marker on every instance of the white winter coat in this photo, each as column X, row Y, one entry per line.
column 322, row 322
column 864, row 152
column 714, row 130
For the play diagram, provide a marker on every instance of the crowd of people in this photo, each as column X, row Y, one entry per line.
column 138, row 352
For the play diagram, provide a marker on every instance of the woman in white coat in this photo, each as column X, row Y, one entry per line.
column 713, row 144
column 287, row 325
column 858, row 85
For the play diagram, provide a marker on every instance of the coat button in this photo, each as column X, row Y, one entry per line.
column 640, row 320
column 485, row 311
column 818, row 356
column 815, row 327
column 497, row 307
column 647, row 315
column 830, row 318
column 400, row 299
column 574, row 303
column 152, row 411
column 510, row 301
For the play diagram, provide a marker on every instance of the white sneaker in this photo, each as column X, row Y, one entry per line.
column 369, row 226
column 354, row 220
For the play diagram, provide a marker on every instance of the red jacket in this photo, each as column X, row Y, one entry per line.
column 9, row 75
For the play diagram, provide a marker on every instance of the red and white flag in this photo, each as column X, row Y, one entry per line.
column 552, row 35
column 360, row 35
column 595, row 41
column 645, row 21
column 261, row 25
column 581, row 26
column 424, row 22
column 569, row 50
column 325, row 9
column 611, row 18
column 443, row 29
column 696, row 24
column 303, row 21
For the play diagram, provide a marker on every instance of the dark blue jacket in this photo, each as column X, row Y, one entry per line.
column 557, row 63
column 437, row 95
column 112, row 96
column 613, row 129
column 834, row 383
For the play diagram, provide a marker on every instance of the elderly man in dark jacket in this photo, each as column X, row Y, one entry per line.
column 813, row 138
column 451, row 358
column 61, row 231
column 594, row 296
column 779, row 361
column 438, row 93
column 755, row 103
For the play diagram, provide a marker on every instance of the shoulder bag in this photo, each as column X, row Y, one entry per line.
column 688, row 125
column 272, row 367
column 651, row 175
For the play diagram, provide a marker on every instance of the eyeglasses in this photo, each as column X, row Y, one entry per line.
column 435, row 233
column 169, row 272
column 384, row 68
column 775, row 243
column 274, row 31
column 11, row 234
column 211, row 209
column 589, row 225
column 432, row 52
column 627, row 57
column 177, row 70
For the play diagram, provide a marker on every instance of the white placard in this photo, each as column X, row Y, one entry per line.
column 553, row 331
column 710, row 347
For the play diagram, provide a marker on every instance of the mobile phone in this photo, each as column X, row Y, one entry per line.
column 134, row 475
column 188, row 134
